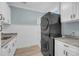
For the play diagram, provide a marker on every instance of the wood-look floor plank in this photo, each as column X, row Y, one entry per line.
column 29, row 51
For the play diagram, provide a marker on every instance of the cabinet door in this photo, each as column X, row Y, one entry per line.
column 0, row 49
column 5, row 50
column 13, row 47
column 6, row 14
column 1, row 11
column 66, row 11
column 5, row 11
column 9, row 15
column 76, row 7
column 1, row 7
column 59, row 50
column 72, row 53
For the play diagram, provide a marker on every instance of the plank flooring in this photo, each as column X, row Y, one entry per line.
column 29, row 51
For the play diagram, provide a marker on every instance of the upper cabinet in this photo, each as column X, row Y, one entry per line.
column 69, row 11
column 5, row 12
column 76, row 9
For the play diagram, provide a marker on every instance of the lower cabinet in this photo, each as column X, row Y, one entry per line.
column 63, row 49
column 0, row 50
column 59, row 50
column 6, row 50
column 9, row 49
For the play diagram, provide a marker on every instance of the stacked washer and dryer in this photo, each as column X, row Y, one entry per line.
column 50, row 29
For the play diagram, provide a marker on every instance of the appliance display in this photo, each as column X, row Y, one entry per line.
column 50, row 29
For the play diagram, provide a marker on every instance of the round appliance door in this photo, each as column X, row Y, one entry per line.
column 45, row 45
column 44, row 23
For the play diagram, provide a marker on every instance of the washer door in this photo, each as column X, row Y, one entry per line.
column 44, row 23
column 45, row 45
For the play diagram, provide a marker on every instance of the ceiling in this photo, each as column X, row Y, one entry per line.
column 37, row 6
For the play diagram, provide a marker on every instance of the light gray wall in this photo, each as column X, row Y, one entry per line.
column 26, row 27
column 68, row 28
column 24, row 16
column 28, row 35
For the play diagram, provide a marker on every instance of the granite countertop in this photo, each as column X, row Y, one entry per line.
column 71, row 41
column 4, row 42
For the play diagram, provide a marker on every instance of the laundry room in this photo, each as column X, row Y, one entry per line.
column 48, row 30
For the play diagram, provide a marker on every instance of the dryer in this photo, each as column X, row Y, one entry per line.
column 50, row 27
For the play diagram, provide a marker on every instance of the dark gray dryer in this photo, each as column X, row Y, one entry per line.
column 50, row 27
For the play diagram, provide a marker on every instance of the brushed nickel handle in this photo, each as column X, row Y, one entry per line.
column 13, row 44
column 5, row 47
column 1, row 17
column 64, row 52
column 74, row 15
column 1, row 27
column 71, row 16
column 66, row 46
column 9, row 50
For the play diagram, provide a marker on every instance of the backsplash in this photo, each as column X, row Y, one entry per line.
column 68, row 28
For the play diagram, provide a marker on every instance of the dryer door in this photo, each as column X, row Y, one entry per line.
column 44, row 23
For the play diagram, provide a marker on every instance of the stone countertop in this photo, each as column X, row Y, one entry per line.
column 70, row 41
column 4, row 42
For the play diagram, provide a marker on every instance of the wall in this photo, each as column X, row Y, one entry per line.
column 27, row 34
column 27, row 24
column 68, row 28
column 24, row 16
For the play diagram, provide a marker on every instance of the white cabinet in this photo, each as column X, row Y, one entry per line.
column 0, row 50
column 63, row 49
column 76, row 8
column 13, row 47
column 69, row 11
column 9, row 49
column 5, row 50
column 59, row 50
column 5, row 12
column 66, row 11
column 0, row 43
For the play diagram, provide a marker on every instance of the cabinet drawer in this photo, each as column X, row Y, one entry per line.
column 68, row 47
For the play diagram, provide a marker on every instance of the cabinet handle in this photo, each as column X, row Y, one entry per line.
column 74, row 15
column 9, row 50
column 13, row 44
column 66, row 46
column 66, row 53
column 71, row 16
column 5, row 47
column 1, row 27
column 1, row 17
